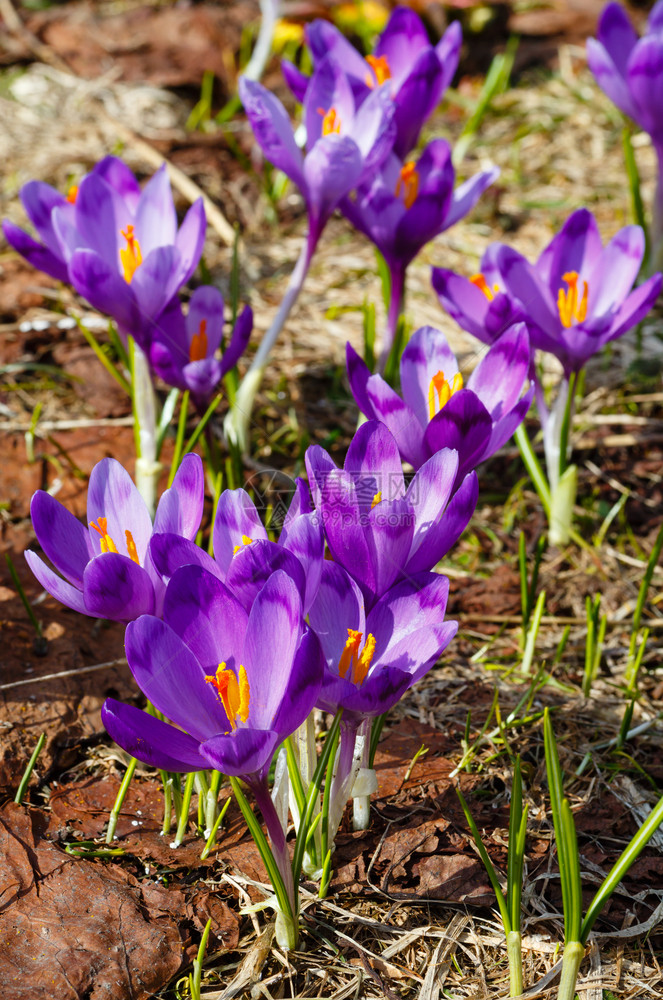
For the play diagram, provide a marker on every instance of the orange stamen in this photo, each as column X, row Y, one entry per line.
column 568, row 306
column 358, row 664
column 330, row 121
column 408, row 183
column 376, row 499
column 131, row 547
column 72, row 194
column 198, row 348
column 107, row 543
column 444, row 391
column 381, row 71
column 131, row 256
column 234, row 694
column 482, row 284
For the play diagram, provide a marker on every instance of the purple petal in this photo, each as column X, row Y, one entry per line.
column 407, row 615
column 272, row 636
column 617, row 35
column 104, row 288
column 295, row 79
column 304, row 539
column 254, row 564
column 498, row 378
column 609, row 78
column 36, row 254
column 60, row 589
column 170, row 552
column 417, row 98
column 180, row 508
column 390, row 533
column 464, row 302
column 303, row 686
column 207, row 617
column 190, row 240
column 151, row 740
column 62, row 537
column 112, row 494
column 272, row 129
column 429, row 492
column 616, row 270
column 448, row 529
column 374, row 463
column 156, row 221
column 328, row 89
column 577, row 247
column 467, row 195
column 324, row 39
column 403, row 38
column 636, row 306
column 101, row 215
column 519, row 279
column 116, row 587
column 170, row 676
column 156, row 280
column 236, row 516
column 338, row 606
column 331, row 169
column 448, row 52
column 389, row 408
column 117, row 174
column 242, row 752
column 464, row 424
column 239, row 339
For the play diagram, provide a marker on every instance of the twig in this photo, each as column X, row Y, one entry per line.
column 64, row 673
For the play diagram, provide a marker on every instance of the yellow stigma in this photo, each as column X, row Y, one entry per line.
column 245, row 541
column 330, row 121
column 408, row 183
column 131, row 256
column 482, row 284
column 570, row 310
column 443, row 390
column 381, row 71
column 198, row 347
column 72, row 194
column 234, row 694
column 358, row 664
column 107, row 543
column 376, row 499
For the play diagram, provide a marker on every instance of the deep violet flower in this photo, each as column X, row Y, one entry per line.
column 344, row 143
column 414, row 73
column 244, row 556
column 118, row 245
column 404, row 206
column 435, row 411
column 378, row 530
column 107, row 567
column 630, row 71
column 575, row 299
column 183, row 351
column 235, row 682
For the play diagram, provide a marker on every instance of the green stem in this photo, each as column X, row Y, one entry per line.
column 574, row 953
column 117, row 805
column 515, row 956
column 167, row 783
column 534, row 468
column 183, row 818
column 18, row 798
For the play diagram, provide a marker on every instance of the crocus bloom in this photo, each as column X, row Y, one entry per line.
column 378, row 530
column 437, row 409
column 371, row 659
column 406, row 205
column 345, row 143
column 107, row 568
column 630, row 71
column 244, row 556
column 118, row 245
column 576, row 298
column 413, row 72
column 184, row 349
column 236, row 683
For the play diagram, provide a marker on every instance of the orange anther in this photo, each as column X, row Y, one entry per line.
column 131, row 256
column 198, row 346
column 568, row 306
column 408, row 183
column 330, row 121
column 443, row 390
column 381, row 71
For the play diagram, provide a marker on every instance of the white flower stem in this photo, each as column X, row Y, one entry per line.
column 236, row 425
column 144, row 406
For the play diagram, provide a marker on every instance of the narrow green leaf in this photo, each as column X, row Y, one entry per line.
column 488, row 864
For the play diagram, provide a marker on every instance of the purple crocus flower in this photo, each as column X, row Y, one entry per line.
column 107, row 566
column 376, row 528
column 576, row 298
column 184, row 349
column 413, row 72
column 630, row 71
column 118, row 245
column 371, row 659
column 235, row 683
column 406, row 205
column 344, row 143
column 435, row 411
column 244, row 555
